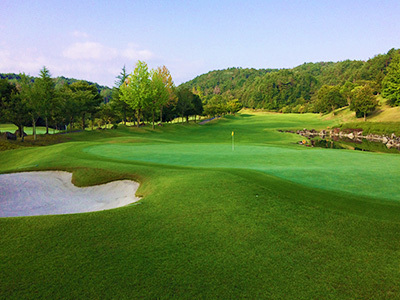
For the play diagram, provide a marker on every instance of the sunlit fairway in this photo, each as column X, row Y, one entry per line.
column 28, row 130
column 271, row 219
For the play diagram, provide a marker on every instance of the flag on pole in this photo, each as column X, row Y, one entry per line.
column 233, row 141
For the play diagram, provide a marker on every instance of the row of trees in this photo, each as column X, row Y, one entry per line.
column 143, row 95
column 24, row 102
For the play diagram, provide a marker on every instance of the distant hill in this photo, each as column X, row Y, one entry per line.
column 104, row 91
column 288, row 90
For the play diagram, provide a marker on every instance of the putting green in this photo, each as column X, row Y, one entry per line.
column 361, row 173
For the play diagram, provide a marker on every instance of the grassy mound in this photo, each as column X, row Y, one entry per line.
column 253, row 223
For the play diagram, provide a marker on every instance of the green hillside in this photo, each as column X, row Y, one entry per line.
column 291, row 90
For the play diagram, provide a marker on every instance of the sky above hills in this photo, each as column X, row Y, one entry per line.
column 93, row 40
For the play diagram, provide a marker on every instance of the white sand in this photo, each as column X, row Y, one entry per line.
column 52, row 193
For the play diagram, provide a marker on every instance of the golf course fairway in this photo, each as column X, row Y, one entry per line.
column 269, row 219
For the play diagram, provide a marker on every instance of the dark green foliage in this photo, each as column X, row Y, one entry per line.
column 329, row 98
column 391, row 83
column 60, row 81
column 185, row 105
column 13, row 107
column 86, row 99
column 363, row 100
column 292, row 90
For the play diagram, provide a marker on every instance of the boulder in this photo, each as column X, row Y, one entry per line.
column 9, row 136
column 17, row 133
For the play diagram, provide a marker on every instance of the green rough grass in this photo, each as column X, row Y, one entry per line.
column 382, row 128
column 208, row 226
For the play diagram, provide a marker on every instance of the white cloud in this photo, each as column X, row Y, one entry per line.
column 96, row 51
column 133, row 53
column 87, row 60
column 80, row 34
column 89, row 50
column 29, row 61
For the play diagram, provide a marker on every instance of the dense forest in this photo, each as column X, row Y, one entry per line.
column 311, row 87
column 104, row 91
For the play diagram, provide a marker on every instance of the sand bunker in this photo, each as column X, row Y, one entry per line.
column 52, row 193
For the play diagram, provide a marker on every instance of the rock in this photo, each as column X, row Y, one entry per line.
column 9, row 136
column 350, row 135
column 17, row 133
column 384, row 139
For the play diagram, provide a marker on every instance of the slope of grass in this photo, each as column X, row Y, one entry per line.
column 210, row 224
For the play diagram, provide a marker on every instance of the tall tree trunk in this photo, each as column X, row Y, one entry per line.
column 161, row 107
column 34, row 128
column 83, row 122
column 365, row 117
column 21, row 132
column 47, row 125
column 138, row 118
column 153, row 118
column 195, row 118
column 187, row 119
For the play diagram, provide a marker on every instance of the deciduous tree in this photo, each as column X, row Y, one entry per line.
column 363, row 100
column 136, row 91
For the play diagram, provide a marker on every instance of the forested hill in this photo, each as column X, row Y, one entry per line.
column 290, row 90
column 104, row 91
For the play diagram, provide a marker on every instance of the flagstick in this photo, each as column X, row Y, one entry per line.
column 233, row 141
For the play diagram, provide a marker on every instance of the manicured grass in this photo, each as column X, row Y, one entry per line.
column 28, row 130
column 212, row 223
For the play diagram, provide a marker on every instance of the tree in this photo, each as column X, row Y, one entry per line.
column 329, row 98
column 106, row 114
column 13, row 108
column 233, row 106
column 184, row 106
column 363, row 100
column 86, row 99
column 391, row 83
column 7, row 90
column 120, row 107
column 159, row 94
column 45, row 87
column 29, row 94
column 165, row 98
column 69, row 104
column 136, row 90
column 197, row 106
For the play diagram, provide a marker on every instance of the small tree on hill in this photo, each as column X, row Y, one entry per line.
column 363, row 100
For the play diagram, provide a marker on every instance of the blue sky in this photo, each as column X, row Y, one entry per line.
column 93, row 40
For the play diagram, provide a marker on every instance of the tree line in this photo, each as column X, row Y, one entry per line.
column 142, row 95
column 311, row 87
